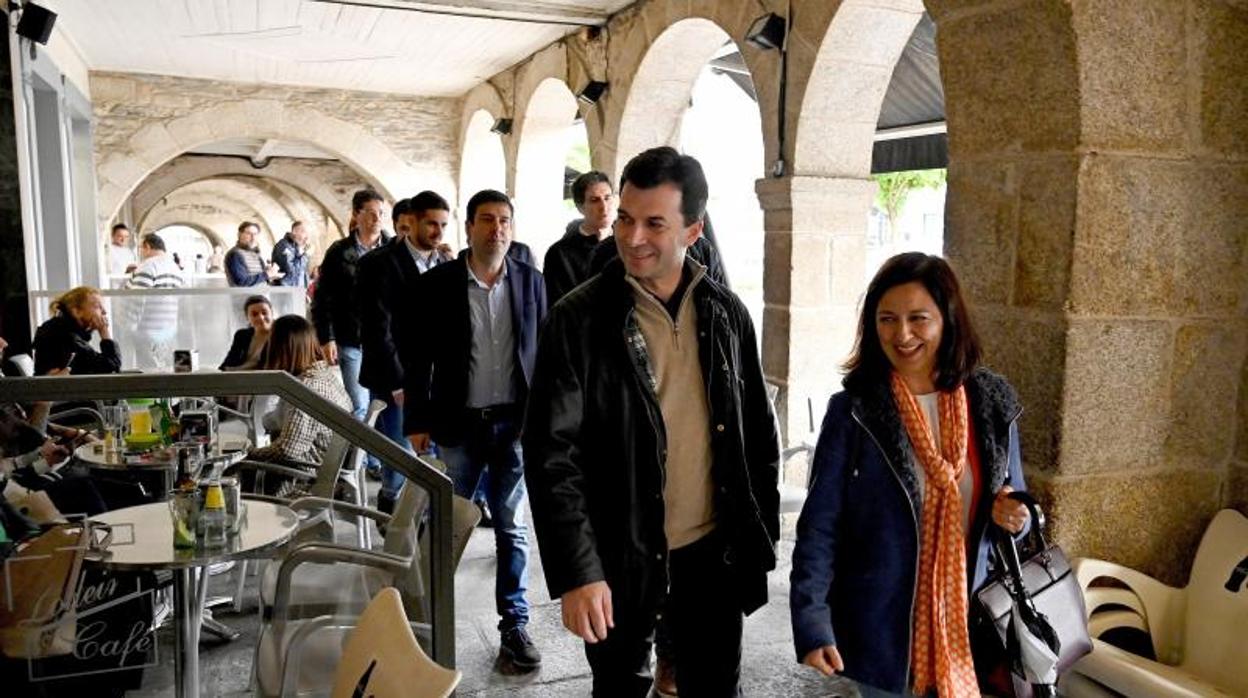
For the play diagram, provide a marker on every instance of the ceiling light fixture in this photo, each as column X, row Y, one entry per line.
column 36, row 23
column 767, row 32
column 592, row 92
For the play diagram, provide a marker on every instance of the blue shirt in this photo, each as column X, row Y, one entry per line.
column 492, row 365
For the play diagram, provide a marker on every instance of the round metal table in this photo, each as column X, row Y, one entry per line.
column 143, row 540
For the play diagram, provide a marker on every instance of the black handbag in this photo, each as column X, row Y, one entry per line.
column 1050, row 603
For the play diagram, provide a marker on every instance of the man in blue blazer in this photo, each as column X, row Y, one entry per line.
column 466, row 387
column 387, row 282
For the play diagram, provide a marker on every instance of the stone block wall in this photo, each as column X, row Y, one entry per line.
column 398, row 143
column 1098, row 212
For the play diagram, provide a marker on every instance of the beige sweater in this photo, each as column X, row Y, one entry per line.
column 673, row 351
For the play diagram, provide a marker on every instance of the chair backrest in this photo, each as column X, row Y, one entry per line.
column 1215, row 644
column 465, row 515
column 331, row 464
column 382, row 658
column 356, row 458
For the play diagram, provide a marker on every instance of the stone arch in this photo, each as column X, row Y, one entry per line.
column 483, row 161
column 157, row 143
column 648, row 103
column 840, row 106
column 240, row 196
column 181, row 171
column 209, row 234
column 540, row 156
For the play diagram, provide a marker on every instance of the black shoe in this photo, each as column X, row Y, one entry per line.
column 486, row 521
column 518, row 648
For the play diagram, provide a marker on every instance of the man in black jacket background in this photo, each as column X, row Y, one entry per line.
column 651, row 449
column 393, row 310
column 465, row 390
column 567, row 262
column 337, row 302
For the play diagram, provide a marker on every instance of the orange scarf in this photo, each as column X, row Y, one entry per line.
column 942, row 649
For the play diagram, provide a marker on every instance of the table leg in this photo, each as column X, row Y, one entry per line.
column 186, row 637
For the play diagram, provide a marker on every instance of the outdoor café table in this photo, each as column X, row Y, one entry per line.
column 159, row 461
column 143, row 540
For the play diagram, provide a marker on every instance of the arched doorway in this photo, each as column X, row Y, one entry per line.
column 549, row 133
column 483, row 164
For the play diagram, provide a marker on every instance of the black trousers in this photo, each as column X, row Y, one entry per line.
column 704, row 618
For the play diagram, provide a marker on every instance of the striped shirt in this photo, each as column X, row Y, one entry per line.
column 155, row 314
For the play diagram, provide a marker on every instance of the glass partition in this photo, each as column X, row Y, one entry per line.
column 150, row 324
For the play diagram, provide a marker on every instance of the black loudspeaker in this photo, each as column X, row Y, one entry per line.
column 36, row 23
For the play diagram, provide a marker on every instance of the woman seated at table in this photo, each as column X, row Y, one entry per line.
column 247, row 351
column 293, row 348
column 65, row 340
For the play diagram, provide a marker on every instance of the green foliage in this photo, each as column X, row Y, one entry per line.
column 893, row 188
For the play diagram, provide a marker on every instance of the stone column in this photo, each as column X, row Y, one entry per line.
column 1098, row 215
column 814, row 254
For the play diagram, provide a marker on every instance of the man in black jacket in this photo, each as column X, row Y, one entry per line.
column 652, row 450
column 465, row 390
column 567, row 261
column 337, row 301
column 387, row 281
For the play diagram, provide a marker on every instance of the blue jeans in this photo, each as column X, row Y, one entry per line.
column 349, row 360
column 390, row 423
column 496, row 444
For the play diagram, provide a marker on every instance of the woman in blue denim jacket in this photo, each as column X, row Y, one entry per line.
column 913, row 463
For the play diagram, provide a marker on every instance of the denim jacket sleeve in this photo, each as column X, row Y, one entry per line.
column 814, row 555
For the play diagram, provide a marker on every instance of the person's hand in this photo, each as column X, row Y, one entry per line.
column 420, row 442
column 587, row 611
column 52, row 453
column 3, row 344
column 101, row 326
column 826, row 659
column 330, row 349
column 397, row 396
column 64, row 370
column 445, row 249
column 131, row 267
column 1007, row 513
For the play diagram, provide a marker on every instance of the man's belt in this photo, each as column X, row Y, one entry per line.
column 493, row 413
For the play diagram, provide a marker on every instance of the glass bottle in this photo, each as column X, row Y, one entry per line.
column 212, row 518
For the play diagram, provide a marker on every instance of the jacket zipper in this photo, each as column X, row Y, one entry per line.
column 652, row 404
column 914, row 589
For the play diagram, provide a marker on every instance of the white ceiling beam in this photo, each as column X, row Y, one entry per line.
column 510, row 10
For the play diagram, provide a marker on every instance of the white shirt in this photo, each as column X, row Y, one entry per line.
column 966, row 484
column 120, row 257
column 492, row 365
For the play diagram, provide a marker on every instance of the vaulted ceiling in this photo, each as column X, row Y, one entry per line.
column 434, row 47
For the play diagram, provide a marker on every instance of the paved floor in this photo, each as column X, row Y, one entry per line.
column 768, row 667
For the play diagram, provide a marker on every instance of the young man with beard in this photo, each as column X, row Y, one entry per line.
column 651, row 449
column 567, row 261
column 394, row 312
column 466, row 387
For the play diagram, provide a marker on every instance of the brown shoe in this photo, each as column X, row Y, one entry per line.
column 664, row 677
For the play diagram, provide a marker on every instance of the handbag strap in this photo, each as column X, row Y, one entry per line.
column 1006, row 547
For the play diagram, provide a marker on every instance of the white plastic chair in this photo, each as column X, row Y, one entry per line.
column 382, row 658
column 1198, row 632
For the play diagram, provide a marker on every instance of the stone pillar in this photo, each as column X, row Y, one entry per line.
column 814, row 254
column 14, row 314
column 1098, row 215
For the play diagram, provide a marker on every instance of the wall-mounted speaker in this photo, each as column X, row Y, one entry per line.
column 36, row 23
